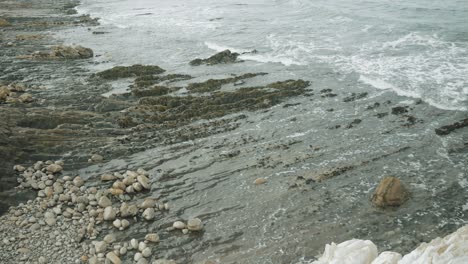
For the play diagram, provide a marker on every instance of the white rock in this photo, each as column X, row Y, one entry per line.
column 108, row 177
column 109, row 213
column 137, row 186
column 117, row 223
column 452, row 249
column 127, row 210
column 387, row 257
column 19, row 168
column 194, row 224
column 178, row 225
column 146, row 252
column 97, row 158
column 137, row 256
column 148, row 203
column 110, row 238
column 153, row 237
column 149, row 214
column 54, row 168
column 123, row 251
column 78, row 181
column 113, row 258
column 144, row 181
column 125, row 223
column 134, row 243
column 142, row 261
column 353, row 251
column 104, row 202
column 100, row 246
column 141, row 246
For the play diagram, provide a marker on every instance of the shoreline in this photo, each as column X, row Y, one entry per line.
column 199, row 155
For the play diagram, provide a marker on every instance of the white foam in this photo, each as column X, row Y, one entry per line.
column 218, row 48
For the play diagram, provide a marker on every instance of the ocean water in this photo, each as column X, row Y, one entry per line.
column 416, row 48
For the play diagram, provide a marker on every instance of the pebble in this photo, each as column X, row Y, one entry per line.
column 97, row 158
column 194, row 224
column 178, row 225
column 113, row 258
column 144, row 181
column 123, row 251
column 78, row 181
column 134, row 243
column 149, row 214
column 142, row 261
column 148, row 203
column 41, row 260
column 125, row 223
column 141, row 246
column 137, row 256
column 153, row 237
column 117, row 223
column 108, row 177
column 54, row 168
column 127, row 210
column 110, row 238
column 109, row 213
column 260, row 181
column 146, row 252
column 100, row 246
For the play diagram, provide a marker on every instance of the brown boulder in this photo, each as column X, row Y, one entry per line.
column 390, row 192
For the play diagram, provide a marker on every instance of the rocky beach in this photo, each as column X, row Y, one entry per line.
column 221, row 160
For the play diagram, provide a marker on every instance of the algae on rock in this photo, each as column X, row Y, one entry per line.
column 129, row 71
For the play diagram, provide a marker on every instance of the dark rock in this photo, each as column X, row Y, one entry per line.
column 399, row 110
column 445, row 130
column 354, row 97
column 215, row 84
column 129, row 71
column 222, row 57
column 381, row 115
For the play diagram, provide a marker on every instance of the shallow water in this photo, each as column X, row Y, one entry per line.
column 394, row 51
column 416, row 49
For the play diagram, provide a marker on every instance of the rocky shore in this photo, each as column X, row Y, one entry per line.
column 253, row 167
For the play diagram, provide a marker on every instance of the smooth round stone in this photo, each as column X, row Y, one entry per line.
column 149, row 214
column 117, row 223
column 109, row 213
column 104, row 202
column 143, row 181
column 142, row 261
column 260, row 181
column 134, row 243
column 97, row 158
column 178, row 225
column 108, row 177
column 142, row 245
column 110, row 238
column 194, row 224
column 137, row 186
column 78, row 181
column 137, row 256
column 146, row 252
column 123, row 251
column 148, row 203
column 125, row 223
column 41, row 260
column 100, row 246
column 153, row 237
column 113, row 258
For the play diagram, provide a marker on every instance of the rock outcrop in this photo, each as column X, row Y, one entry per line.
column 222, row 57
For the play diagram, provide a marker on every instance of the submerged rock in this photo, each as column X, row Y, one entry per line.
column 390, row 192
column 222, row 57
column 129, row 71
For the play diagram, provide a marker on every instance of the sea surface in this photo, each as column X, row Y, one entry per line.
column 416, row 48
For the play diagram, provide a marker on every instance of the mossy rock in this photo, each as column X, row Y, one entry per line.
column 154, row 91
column 129, row 71
column 216, row 84
column 149, row 80
column 222, row 57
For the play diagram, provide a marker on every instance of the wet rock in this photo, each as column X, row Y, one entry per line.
column 71, row 52
column 100, row 246
column 194, row 224
column 164, row 261
column 117, row 223
column 97, row 158
column 216, row 84
column 110, row 238
column 146, row 252
column 445, row 130
column 128, row 210
column 108, row 177
column 148, row 203
column 4, row 23
column 113, row 258
column 54, row 168
column 390, row 192
column 398, row 110
column 260, row 181
column 148, row 214
column 153, row 237
column 134, row 243
column 25, row 98
column 125, row 223
column 222, row 57
column 78, row 181
column 109, row 213
column 178, row 225
column 144, row 181
column 129, row 71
